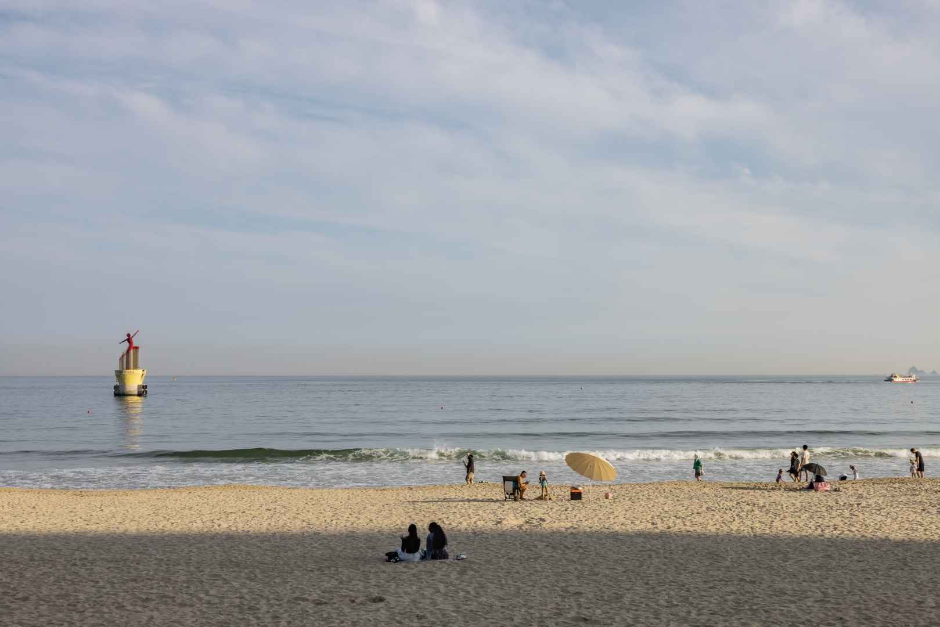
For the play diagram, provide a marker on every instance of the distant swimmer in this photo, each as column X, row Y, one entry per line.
column 130, row 340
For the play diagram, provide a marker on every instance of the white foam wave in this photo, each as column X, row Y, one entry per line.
column 444, row 453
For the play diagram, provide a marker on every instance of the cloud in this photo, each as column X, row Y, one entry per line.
column 468, row 175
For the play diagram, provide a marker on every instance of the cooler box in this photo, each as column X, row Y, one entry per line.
column 575, row 493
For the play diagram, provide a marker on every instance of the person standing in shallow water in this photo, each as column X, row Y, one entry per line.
column 469, row 466
column 697, row 468
column 919, row 460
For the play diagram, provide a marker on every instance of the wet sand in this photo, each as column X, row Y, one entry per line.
column 655, row 554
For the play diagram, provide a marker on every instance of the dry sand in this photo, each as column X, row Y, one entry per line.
column 655, row 554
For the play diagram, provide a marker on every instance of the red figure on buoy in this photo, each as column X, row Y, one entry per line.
column 130, row 340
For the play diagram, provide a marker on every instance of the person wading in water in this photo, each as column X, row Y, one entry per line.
column 469, row 466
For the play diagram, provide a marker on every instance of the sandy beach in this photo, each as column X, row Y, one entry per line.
column 655, row 554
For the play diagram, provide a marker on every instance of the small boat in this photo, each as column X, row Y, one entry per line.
column 901, row 378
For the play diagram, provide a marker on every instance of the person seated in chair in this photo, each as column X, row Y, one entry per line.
column 410, row 550
column 522, row 484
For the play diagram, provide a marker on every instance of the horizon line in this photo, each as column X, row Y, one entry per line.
column 445, row 376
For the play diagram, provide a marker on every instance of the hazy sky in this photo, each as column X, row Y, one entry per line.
column 470, row 188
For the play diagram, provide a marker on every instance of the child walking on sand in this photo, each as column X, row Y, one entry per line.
column 913, row 468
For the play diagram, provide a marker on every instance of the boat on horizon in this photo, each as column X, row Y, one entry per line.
column 901, row 378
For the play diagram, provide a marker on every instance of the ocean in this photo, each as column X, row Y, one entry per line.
column 70, row 432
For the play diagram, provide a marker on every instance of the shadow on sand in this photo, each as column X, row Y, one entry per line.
column 536, row 577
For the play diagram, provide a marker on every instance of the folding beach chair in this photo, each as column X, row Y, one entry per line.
column 510, row 488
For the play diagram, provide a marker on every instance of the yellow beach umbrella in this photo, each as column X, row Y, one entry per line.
column 591, row 466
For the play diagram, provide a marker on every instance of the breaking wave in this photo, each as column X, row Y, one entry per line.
column 270, row 455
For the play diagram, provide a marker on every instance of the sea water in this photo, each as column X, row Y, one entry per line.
column 385, row 431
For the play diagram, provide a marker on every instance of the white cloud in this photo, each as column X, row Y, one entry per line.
column 470, row 173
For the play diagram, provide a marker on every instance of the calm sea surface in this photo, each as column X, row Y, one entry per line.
column 71, row 432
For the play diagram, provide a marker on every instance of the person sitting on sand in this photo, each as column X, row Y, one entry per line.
column 780, row 476
column 410, row 550
column 521, row 484
column 543, row 482
column 697, row 468
column 819, row 484
column 795, row 466
column 436, row 543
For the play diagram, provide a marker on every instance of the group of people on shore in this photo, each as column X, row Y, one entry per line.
column 800, row 465
column 521, row 484
column 411, row 551
column 798, row 468
column 798, row 461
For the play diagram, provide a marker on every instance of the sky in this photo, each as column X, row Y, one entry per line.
column 485, row 188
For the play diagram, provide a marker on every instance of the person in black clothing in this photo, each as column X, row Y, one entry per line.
column 795, row 466
column 410, row 550
column 919, row 458
column 411, row 543
column 469, row 466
